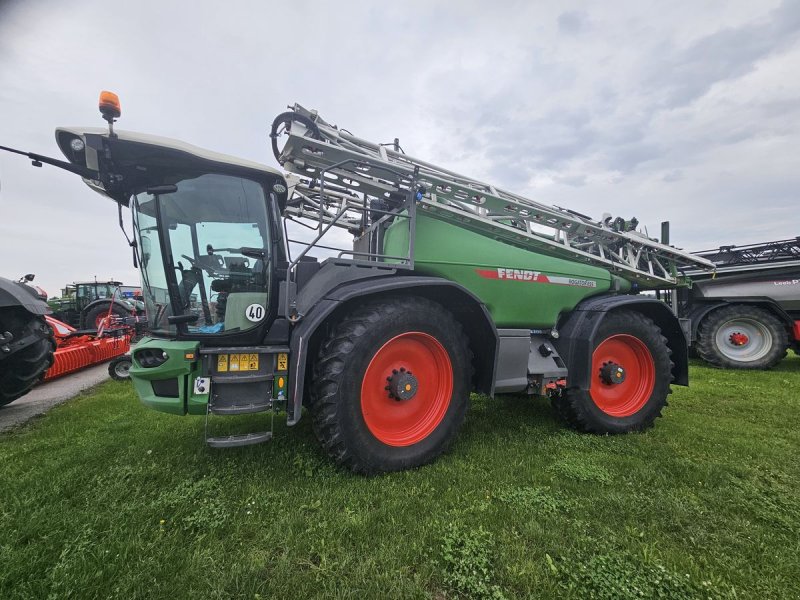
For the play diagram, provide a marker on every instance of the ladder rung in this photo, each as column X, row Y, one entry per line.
column 240, row 409
column 245, row 439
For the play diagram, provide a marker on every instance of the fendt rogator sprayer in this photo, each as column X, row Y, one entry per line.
column 746, row 314
column 449, row 285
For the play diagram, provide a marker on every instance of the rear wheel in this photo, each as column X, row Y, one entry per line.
column 742, row 337
column 23, row 369
column 630, row 380
column 391, row 385
column 98, row 313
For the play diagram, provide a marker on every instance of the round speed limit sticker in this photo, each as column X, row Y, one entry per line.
column 255, row 313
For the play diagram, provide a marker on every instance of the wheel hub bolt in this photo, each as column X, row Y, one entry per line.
column 739, row 339
column 402, row 384
column 612, row 373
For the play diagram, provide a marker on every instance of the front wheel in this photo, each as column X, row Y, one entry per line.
column 391, row 385
column 742, row 337
column 630, row 378
column 119, row 368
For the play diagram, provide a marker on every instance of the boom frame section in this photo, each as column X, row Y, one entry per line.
column 340, row 177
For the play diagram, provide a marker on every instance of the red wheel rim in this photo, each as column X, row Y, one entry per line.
column 626, row 398
column 406, row 422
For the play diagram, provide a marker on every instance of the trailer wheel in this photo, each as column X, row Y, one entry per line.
column 391, row 385
column 631, row 376
column 25, row 368
column 742, row 337
column 98, row 313
column 119, row 368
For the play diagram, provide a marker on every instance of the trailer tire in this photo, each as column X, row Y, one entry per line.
column 629, row 341
column 96, row 314
column 119, row 368
column 391, row 385
column 742, row 336
column 25, row 368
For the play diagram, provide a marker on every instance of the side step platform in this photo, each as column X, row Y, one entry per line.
column 244, row 439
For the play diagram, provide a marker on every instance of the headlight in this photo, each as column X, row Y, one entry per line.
column 150, row 357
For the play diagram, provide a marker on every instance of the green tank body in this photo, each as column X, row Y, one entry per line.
column 519, row 287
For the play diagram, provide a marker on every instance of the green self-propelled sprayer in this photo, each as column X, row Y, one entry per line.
column 377, row 290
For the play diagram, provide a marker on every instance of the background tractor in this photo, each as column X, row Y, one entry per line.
column 84, row 304
column 377, row 290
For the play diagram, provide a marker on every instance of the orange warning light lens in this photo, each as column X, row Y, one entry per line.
column 189, row 356
column 109, row 105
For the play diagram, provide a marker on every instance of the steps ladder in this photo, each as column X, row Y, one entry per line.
column 240, row 393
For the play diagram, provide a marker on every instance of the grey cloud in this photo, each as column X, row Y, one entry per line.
column 600, row 109
column 572, row 22
column 682, row 76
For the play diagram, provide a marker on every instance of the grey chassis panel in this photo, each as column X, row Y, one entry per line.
column 17, row 294
column 303, row 333
column 778, row 286
column 519, row 357
column 577, row 335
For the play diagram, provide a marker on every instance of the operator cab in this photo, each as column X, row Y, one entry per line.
column 206, row 255
column 206, row 232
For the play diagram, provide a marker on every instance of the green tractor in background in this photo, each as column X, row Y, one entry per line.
column 378, row 291
column 84, row 304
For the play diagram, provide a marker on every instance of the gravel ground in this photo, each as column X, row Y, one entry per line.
column 47, row 395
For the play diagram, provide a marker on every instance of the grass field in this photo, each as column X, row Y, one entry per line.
column 102, row 498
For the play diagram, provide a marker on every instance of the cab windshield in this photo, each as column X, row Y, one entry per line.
column 204, row 250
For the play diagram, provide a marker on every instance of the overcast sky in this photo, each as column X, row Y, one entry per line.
column 684, row 110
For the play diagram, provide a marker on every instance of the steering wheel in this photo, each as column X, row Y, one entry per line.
column 192, row 261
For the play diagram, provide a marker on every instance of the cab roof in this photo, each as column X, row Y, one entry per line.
column 63, row 133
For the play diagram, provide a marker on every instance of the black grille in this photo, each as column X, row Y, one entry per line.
column 167, row 388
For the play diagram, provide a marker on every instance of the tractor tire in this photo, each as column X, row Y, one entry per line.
column 742, row 337
column 96, row 314
column 626, row 400
column 119, row 368
column 25, row 368
column 391, row 385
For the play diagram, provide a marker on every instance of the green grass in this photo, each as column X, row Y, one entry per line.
column 102, row 498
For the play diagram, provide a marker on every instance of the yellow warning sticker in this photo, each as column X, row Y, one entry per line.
column 283, row 362
column 237, row 362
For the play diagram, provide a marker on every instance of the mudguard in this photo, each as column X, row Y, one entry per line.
column 577, row 332
column 17, row 294
column 106, row 301
column 465, row 306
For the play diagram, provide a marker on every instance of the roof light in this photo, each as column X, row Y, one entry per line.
column 109, row 106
